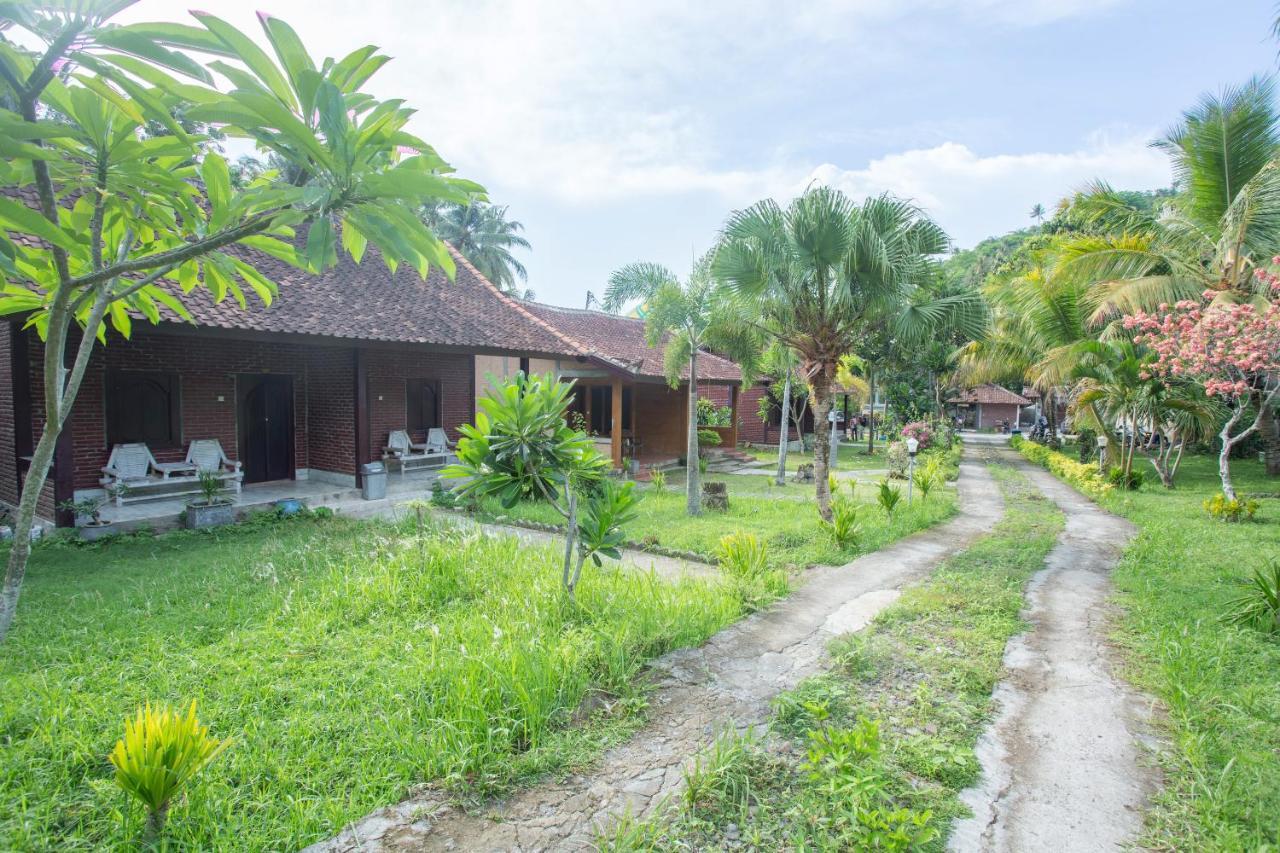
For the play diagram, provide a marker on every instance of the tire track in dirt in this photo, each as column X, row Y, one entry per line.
column 727, row 683
column 1063, row 764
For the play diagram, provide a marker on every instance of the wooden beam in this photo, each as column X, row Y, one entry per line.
column 360, row 388
column 733, row 416
column 615, row 431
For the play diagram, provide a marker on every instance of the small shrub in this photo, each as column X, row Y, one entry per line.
column 1259, row 606
column 708, row 438
column 709, row 414
column 898, row 459
column 744, row 561
column 833, row 484
column 658, row 478
column 1132, row 482
column 920, row 431
column 1231, row 510
column 851, row 484
column 888, row 497
column 211, row 485
column 703, row 462
column 1083, row 477
column 161, row 752
column 442, row 497
column 925, row 479
column 843, row 528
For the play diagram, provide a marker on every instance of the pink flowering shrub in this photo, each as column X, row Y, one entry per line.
column 1233, row 350
column 920, row 431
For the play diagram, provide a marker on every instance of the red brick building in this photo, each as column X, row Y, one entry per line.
column 987, row 407
column 310, row 387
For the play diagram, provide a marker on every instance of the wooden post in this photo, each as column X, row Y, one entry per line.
column 360, row 386
column 733, row 416
column 615, row 431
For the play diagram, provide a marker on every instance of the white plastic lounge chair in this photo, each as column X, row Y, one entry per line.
column 206, row 455
column 438, row 442
column 404, row 450
column 134, row 467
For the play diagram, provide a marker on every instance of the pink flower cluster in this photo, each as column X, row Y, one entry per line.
column 1234, row 350
column 920, row 431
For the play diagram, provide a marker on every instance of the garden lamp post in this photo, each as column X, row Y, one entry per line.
column 913, row 445
column 1102, row 454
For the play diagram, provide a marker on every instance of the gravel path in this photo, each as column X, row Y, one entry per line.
column 1063, row 765
column 727, row 683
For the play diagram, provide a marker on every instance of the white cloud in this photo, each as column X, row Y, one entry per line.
column 974, row 196
column 600, row 101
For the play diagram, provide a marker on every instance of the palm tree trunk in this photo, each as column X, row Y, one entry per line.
column 693, row 485
column 871, row 419
column 1051, row 418
column 821, row 388
column 785, row 438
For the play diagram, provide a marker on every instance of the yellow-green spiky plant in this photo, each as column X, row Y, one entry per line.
column 159, row 754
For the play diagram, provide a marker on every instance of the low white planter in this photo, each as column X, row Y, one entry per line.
column 202, row 515
column 90, row 532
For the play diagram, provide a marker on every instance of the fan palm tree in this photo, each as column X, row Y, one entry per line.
column 825, row 271
column 686, row 318
column 485, row 237
column 1213, row 236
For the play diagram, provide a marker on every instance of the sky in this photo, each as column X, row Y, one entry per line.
column 620, row 132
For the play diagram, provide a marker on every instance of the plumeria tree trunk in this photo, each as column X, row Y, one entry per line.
column 785, row 439
column 820, row 384
column 693, row 480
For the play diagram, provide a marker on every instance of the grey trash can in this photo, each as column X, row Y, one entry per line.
column 374, row 477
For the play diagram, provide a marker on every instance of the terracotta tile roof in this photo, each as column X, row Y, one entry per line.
column 620, row 342
column 367, row 301
column 990, row 395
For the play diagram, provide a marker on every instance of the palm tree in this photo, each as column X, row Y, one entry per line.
column 1038, row 324
column 685, row 318
column 485, row 237
column 1037, row 212
column 823, row 272
column 1213, row 236
column 779, row 360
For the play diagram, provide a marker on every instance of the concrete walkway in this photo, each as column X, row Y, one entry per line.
column 728, row 683
column 1063, row 768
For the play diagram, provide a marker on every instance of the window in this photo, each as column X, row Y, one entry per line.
column 422, row 405
column 143, row 407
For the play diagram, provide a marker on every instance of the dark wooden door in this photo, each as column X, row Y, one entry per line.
column 266, row 427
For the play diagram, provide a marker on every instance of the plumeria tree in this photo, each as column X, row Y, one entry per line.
column 113, row 206
column 1232, row 348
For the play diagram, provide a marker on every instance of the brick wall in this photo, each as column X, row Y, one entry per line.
column 660, row 413
column 207, row 369
column 8, row 446
column 389, row 369
column 331, row 413
column 991, row 414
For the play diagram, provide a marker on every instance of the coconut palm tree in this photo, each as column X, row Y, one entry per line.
column 485, row 237
column 1037, row 212
column 1214, row 235
column 686, row 318
column 823, row 272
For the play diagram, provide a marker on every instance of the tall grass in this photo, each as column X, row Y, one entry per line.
column 348, row 660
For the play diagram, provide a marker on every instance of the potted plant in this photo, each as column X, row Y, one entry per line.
column 211, row 510
column 88, row 513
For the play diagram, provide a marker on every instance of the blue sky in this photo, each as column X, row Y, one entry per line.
column 620, row 132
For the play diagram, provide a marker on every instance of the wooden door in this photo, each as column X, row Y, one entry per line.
column 266, row 427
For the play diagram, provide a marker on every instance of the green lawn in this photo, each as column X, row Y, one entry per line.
column 1219, row 683
column 851, row 457
column 787, row 523
column 920, row 677
column 347, row 660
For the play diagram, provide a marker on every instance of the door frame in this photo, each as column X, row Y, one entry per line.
column 245, row 382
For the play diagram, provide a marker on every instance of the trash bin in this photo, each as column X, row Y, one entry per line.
column 374, row 477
